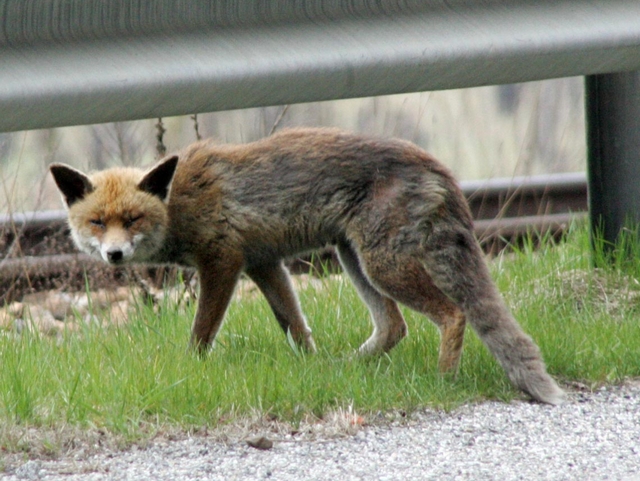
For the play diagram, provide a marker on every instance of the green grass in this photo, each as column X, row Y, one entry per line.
column 122, row 379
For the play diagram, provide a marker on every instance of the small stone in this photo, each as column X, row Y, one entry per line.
column 260, row 442
column 30, row 471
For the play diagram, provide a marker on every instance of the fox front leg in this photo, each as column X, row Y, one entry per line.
column 217, row 283
column 274, row 282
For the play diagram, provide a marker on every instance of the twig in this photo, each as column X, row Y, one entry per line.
column 161, row 149
column 277, row 122
column 196, row 126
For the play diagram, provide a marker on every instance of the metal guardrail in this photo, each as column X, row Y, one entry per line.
column 67, row 62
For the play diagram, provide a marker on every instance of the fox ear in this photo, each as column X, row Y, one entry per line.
column 73, row 184
column 158, row 180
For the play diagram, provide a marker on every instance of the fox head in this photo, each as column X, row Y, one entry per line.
column 117, row 215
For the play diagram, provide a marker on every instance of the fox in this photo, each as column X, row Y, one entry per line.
column 400, row 225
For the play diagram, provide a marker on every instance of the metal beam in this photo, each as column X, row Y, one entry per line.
column 68, row 62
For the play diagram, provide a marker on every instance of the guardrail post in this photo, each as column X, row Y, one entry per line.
column 613, row 143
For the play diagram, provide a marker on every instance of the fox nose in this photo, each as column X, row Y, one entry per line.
column 114, row 255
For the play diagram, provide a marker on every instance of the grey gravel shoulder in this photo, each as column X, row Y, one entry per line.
column 593, row 436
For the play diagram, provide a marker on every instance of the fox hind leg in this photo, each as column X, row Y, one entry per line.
column 404, row 279
column 451, row 322
column 389, row 325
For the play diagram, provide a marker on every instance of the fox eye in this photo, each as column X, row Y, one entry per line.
column 132, row 220
column 97, row 223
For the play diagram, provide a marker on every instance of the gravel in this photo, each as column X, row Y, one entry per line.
column 593, row 436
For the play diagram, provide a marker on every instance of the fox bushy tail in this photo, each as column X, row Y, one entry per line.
column 456, row 264
column 515, row 351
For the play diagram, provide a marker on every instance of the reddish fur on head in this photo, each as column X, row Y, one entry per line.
column 119, row 214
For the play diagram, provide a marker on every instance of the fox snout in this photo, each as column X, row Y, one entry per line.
column 114, row 255
column 116, row 246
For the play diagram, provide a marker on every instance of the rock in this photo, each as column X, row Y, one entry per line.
column 260, row 442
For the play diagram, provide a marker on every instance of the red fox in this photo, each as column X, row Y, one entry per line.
column 401, row 227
